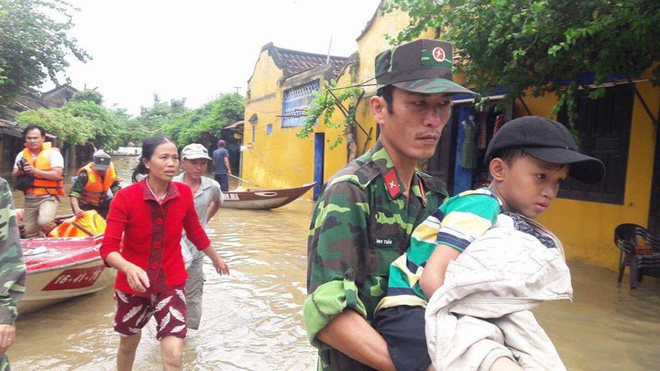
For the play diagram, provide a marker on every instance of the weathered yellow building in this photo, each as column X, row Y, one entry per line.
column 281, row 87
column 616, row 128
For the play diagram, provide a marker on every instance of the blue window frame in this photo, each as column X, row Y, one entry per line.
column 269, row 129
column 295, row 102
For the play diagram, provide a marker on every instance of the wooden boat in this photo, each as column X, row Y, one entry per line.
column 262, row 199
column 62, row 268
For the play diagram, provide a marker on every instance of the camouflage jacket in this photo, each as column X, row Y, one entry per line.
column 361, row 223
column 12, row 266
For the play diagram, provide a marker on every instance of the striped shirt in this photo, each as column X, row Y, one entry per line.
column 456, row 223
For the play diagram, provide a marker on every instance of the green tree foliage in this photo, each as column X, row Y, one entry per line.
column 34, row 43
column 203, row 125
column 544, row 46
column 78, row 122
column 325, row 103
column 88, row 95
column 60, row 122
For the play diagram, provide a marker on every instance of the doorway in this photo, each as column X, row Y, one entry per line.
column 654, row 212
column 319, row 156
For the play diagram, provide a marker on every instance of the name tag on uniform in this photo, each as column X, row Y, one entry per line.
column 385, row 242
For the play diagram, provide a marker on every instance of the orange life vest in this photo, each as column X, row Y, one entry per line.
column 96, row 188
column 41, row 186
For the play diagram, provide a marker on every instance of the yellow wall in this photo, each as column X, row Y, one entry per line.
column 587, row 228
column 282, row 159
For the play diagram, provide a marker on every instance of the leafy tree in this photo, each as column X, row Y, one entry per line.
column 324, row 104
column 542, row 46
column 34, row 43
column 77, row 123
column 101, row 123
column 88, row 95
column 60, row 122
column 203, row 125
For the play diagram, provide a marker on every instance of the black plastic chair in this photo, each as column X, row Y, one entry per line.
column 640, row 250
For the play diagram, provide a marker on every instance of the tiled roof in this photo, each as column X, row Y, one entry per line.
column 294, row 62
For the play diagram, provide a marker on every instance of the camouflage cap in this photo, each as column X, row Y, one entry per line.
column 420, row 66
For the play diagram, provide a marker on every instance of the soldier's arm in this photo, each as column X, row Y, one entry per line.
column 352, row 335
column 78, row 187
column 334, row 314
column 12, row 266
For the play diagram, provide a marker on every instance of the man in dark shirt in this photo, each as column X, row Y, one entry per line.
column 221, row 165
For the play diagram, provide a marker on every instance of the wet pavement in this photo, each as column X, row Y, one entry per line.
column 253, row 318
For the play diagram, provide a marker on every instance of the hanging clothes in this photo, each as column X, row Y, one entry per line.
column 499, row 121
column 469, row 158
column 482, row 131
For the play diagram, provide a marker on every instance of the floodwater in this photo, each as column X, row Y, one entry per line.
column 253, row 318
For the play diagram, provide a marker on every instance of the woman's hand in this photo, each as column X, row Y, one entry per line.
column 137, row 277
column 220, row 266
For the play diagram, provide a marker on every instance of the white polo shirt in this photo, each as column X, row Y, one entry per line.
column 209, row 191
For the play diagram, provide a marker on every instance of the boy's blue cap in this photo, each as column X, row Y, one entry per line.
column 549, row 141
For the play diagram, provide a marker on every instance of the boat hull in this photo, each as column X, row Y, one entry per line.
column 262, row 199
column 62, row 268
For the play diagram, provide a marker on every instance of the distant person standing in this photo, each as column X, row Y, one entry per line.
column 221, row 166
column 38, row 172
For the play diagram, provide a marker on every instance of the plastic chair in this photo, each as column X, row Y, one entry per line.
column 640, row 250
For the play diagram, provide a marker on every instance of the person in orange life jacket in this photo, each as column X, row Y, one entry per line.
column 89, row 192
column 40, row 169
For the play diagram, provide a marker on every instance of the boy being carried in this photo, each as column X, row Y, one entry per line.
column 481, row 249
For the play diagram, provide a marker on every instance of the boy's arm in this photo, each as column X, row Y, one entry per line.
column 434, row 272
column 467, row 217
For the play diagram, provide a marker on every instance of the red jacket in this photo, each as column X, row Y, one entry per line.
column 152, row 234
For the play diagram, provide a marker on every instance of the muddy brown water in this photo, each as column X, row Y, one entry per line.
column 252, row 319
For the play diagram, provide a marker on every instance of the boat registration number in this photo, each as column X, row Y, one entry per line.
column 230, row 197
column 75, row 278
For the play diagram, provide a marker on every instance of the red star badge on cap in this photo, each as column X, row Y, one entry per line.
column 438, row 54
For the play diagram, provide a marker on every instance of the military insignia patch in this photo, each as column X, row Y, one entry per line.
column 438, row 54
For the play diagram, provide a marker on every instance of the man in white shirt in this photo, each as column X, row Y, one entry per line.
column 38, row 172
column 207, row 197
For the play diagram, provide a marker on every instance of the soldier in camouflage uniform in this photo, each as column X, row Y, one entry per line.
column 364, row 218
column 12, row 272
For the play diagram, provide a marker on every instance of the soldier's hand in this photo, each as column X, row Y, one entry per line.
column 78, row 213
column 7, row 336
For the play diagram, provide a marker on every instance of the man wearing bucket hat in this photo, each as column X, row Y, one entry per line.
column 207, row 198
column 363, row 220
column 90, row 190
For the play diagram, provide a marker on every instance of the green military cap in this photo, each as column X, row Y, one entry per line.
column 420, row 66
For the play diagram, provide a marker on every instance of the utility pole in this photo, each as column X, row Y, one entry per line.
column 237, row 89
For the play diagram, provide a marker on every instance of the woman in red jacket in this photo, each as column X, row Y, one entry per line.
column 146, row 219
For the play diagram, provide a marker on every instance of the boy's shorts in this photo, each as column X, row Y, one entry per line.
column 402, row 327
column 168, row 307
